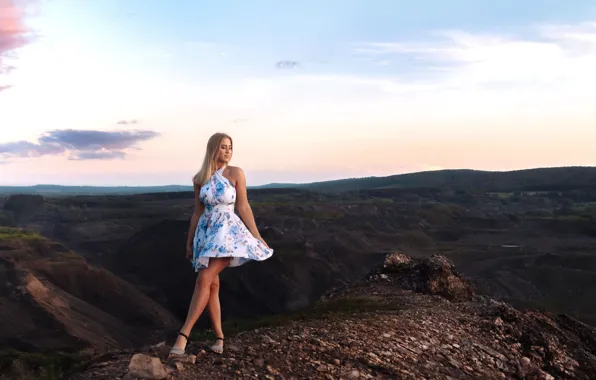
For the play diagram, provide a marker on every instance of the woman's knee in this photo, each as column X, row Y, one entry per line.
column 204, row 281
column 214, row 287
column 211, row 274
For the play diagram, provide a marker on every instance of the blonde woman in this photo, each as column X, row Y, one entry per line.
column 217, row 237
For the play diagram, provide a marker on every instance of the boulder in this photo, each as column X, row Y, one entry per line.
column 146, row 367
column 436, row 275
column 396, row 261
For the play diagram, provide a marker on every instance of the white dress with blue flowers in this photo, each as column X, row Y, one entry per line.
column 220, row 232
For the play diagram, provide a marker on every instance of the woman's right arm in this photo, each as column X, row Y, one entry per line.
column 194, row 220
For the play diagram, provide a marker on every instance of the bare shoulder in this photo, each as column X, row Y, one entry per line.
column 236, row 172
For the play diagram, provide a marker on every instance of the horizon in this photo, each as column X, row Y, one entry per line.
column 127, row 94
column 303, row 183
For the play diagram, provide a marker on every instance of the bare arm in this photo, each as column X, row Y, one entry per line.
column 194, row 220
column 244, row 209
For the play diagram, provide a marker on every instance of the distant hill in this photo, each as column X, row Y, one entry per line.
column 59, row 190
column 540, row 179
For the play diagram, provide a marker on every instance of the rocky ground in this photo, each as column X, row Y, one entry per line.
column 407, row 320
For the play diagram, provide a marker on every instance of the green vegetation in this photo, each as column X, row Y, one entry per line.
column 502, row 195
column 571, row 212
column 7, row 233
column 51, row 365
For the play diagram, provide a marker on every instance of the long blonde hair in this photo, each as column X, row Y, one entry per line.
column 209, row 164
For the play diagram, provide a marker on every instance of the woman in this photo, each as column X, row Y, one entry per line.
column 217, row 238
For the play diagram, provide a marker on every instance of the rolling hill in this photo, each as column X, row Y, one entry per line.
column 539, row 179
column 60, row 190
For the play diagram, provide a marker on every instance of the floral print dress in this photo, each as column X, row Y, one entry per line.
column 220, row 232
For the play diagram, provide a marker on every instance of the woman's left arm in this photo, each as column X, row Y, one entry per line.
column 243, row 206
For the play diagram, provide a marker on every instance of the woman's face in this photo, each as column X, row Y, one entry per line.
column 224, row 153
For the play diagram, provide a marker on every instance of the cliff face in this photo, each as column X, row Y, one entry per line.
column 293, row 278
column 407, row 319
column 52, row 299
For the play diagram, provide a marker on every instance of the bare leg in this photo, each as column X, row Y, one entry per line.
column 200, row 296
column 214, row 308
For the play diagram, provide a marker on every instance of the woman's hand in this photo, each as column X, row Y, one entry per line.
column 189, row 251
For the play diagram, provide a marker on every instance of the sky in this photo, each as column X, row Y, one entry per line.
column 127, row 92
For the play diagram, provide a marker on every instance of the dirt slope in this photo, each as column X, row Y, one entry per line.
column 51, row 299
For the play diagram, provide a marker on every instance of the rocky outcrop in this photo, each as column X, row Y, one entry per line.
column 436, row 275
column 557, row 345
column 378, row 328
column 396, row 262
column 433, row 275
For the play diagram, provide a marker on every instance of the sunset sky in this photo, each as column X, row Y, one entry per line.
column 126, row 92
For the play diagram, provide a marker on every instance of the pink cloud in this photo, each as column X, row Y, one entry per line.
column 14, row 34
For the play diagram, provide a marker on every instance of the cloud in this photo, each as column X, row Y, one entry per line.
column 128, row 122
column 14, row 34
column 28, row 149
column 78, row 144
column 545, row 54
column 548, row 61
column 98, row 155
column 287, row 64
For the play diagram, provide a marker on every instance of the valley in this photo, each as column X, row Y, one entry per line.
column 532, row 248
